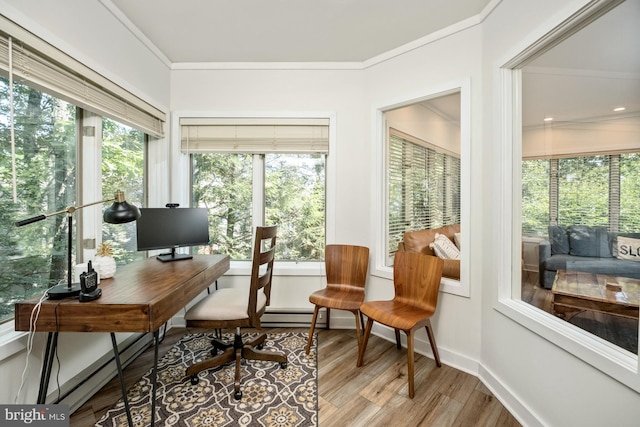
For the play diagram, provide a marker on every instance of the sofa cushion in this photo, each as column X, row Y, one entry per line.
column 588, row 241
column 559, row 239
column 444, row 248
column 559, row 262
column 418, row 241
column 609, row 266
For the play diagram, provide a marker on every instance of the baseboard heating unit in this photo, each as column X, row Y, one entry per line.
column 292, row 318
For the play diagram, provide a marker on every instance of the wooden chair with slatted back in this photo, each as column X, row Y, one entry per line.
column 416, row 280
column 239, row 308
column 346, row 267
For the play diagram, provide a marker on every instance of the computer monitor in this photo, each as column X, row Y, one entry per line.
column 171, row 228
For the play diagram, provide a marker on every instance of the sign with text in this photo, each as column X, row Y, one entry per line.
column 34, row 415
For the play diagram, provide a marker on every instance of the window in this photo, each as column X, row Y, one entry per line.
column 51, row 117
column 591, row 190
column 424, row 187
column 34, row 257
column 123, row 165
column 574, row 153
column 250, row 172
column 423, row 168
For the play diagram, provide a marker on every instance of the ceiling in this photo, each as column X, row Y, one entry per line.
column 583, row 77
column 586, row 76
column 196, row 31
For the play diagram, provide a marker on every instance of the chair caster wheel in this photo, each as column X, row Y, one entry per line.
column 283, row 365
column 237, row 395
column 260, row 346
column 194, row 379
column 214, row 352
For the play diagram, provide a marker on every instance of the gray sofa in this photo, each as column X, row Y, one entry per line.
column 583, row 248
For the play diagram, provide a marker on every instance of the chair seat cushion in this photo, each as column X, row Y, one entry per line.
column 395, row 314
column 341, row 297
column 225, row 304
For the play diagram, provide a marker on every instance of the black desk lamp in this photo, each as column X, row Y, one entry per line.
column 119, row 212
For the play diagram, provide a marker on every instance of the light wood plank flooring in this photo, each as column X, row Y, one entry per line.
column 373, row 395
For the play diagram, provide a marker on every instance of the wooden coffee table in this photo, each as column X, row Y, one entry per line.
column 575, row 291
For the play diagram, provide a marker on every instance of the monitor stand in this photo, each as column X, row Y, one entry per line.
column 173, row 256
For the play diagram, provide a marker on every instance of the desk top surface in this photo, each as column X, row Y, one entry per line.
column 141, row 297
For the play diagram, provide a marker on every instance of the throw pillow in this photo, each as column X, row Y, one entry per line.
column 628, row 248
column 558, row 239
column 456, row 239
column 444, row 248
column 588, row 241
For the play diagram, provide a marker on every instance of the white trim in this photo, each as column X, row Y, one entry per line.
column 618, row 363
column 378, row 227
column 117, row 13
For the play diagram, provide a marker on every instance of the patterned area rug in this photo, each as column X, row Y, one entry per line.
column 271, row 396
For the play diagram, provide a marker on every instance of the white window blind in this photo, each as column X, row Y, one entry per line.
column 424, row 187
column 596, row 190
column 40, row 65
column 254, row 135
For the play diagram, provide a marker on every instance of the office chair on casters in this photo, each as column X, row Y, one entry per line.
column 234, row 307
column 346, row 267
column 416, row 280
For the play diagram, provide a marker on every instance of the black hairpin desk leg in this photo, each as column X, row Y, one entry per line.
column 47, row 363
column 116, row 354
column 154, row 374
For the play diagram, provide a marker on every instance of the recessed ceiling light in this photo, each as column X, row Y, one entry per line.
column 619, row 109
column 548, row 119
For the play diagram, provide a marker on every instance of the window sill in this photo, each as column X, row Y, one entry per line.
column 604, row 356
column 11, row 341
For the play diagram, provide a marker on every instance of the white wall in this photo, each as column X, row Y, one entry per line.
column 436, row 68
column 554, row 387
column 540, row 382
column 87, row 31
column 282, row 91
column 424, row 124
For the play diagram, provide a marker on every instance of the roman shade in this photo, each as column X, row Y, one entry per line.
column 254, row 135
column 28, row 59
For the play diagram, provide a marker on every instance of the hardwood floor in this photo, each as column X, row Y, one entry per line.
column 618, row 330
column 374, row 395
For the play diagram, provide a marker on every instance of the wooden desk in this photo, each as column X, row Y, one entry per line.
column 141, row 297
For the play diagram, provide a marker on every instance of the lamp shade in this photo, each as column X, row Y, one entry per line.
column 121, row 211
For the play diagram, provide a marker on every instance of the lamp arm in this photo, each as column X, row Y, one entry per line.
column 69, row 210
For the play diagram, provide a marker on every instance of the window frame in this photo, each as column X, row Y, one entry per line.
column 602, row 355
column 379, row 198
column 181, row 171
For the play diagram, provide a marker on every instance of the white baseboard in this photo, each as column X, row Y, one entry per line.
column 520, row 411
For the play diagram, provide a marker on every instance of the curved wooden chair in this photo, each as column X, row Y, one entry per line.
column 346, row 267
column 239, row 307
column 416, row 280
